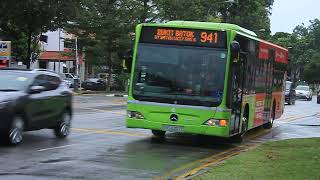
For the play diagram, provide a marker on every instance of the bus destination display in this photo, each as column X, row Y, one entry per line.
column 189, row 37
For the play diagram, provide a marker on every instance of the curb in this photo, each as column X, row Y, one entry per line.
column 117, row 95
column 98, row 94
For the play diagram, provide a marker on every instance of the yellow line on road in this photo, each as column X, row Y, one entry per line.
column 111, row 132
column 298, row 117
column 195, row 170
column 171, row 173
column 215, row 161
column 286, row 120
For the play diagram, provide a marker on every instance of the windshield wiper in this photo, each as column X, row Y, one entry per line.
column 8, row 90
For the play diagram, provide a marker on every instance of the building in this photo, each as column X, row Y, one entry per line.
column 58, row 54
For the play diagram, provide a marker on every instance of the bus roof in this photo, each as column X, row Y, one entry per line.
column 205, row 25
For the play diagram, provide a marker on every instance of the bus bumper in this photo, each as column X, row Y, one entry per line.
column 189, row 129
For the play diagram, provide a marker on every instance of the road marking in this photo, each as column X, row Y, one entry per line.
column 195, row 170
column 111, row 132
column 287, row 120
column 58, row 147
column 164, row 176
column 225, row 155
column 290, row 119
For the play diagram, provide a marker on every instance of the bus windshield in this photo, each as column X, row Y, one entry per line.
column 184, row 75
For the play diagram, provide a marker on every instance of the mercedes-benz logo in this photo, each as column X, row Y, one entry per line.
column 174, row 117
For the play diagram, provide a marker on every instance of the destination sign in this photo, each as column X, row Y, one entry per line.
column 188, row 37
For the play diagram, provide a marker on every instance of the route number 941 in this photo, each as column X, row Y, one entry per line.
column 209, row 37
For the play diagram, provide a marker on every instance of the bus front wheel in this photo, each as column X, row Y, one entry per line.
column 158, row 133
column 244, row 128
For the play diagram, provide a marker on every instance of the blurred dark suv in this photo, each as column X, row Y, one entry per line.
column 290, row 93
column 33, row 100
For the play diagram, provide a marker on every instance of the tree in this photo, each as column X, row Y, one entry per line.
column 103, row 27
column 303, row 46
column 250, row 14
column 312, row 69
column 314, row 30
column 183, row 10
column 29, row 18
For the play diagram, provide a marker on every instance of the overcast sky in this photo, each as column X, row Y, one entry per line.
column 287, row 14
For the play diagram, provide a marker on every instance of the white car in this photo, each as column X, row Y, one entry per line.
column 303, row 92
column 69, row 79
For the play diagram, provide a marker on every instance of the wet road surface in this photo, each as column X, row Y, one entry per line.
column 100, row 147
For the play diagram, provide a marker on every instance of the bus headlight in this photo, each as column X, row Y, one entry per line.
column 216, row 122
column 135, row 115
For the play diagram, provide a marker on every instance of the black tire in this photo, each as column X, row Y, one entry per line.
column 237, row 138
column 318, row 100
column 15, row 134
column 244, row 125
column 158, row 133
column 244, row 128
column 62, row 130
column 270, row 123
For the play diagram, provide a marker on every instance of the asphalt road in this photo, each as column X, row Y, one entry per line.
column 100, row 147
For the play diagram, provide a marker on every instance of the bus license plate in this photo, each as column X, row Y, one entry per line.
column 173, row 129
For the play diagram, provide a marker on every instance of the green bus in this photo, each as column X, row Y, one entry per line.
column 214, row 79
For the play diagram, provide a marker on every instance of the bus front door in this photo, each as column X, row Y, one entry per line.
column 238, row 70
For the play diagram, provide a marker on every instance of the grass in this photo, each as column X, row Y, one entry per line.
column 288, row 159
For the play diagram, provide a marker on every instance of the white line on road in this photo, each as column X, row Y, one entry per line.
column 58, row 147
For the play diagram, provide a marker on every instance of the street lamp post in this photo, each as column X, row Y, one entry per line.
column 77, row 58
column 77, row 78
column 292, row 66
column 59, row 51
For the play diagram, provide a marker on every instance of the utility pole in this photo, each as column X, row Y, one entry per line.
column 77, row 78
column 59, row 52
column 77, row 58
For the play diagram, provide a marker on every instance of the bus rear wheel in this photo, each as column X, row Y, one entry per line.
column 158, row 133
column 270, row 123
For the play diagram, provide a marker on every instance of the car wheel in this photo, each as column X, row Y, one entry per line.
column 289, row 102
column 158, row 133
column 15, row 135
column 63, row 128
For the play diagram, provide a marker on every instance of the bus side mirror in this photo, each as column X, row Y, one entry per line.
column 235, row 51
column 127, row 61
